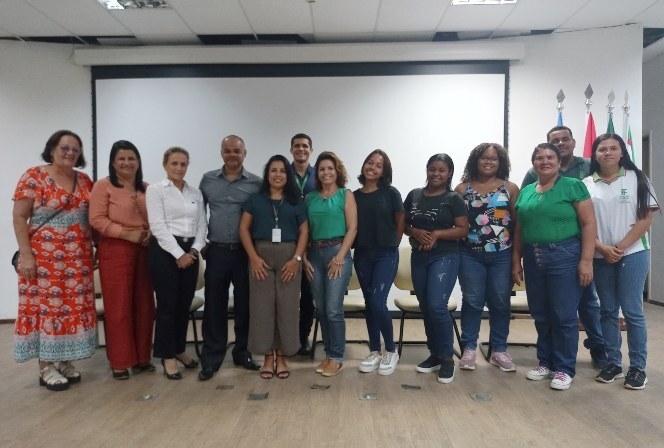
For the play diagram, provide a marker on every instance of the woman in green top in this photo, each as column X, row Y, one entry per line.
column 332, row 216
column 555, row 232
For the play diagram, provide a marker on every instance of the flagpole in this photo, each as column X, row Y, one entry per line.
column 560, row 97
column 591, row 134
column 609, row 108
column 627, row 130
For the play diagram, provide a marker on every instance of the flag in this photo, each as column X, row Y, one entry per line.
column 560, row 118
column 591, row 134
column 628, row 143
column 609, row 128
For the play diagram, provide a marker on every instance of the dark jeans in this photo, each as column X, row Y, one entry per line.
column 223, row 267
column 589, row 315
column 376, row 268
column 174, row 289
column 306, row 310
column 554, row 291
column 434, row 276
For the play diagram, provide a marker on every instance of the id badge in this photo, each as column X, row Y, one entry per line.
column 276, row 235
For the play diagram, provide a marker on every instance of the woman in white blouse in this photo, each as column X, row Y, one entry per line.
column 178, row 223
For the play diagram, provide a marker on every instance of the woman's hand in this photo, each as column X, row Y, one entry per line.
column 308, row 269
column 146, row 238
column 258, row 268
column 135, row 236
column 27, row 266
column 185, row 260
column 517, row 273
column 585, row 272
column 289, row 270
column 425, row 238
column 334, row 268
column 610, row 253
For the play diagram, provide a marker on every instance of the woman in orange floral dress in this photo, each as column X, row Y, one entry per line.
column 56, row 312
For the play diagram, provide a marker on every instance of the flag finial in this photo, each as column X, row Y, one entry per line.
column 589, row 94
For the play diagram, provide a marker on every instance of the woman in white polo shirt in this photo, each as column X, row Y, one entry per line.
column 624, row 201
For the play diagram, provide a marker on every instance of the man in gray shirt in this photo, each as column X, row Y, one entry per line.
column 225, row 191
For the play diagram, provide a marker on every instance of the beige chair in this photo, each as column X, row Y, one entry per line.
column 99, row 307
column 408, row 303
column 518, row 305
column 354, row 307
column 197, row 302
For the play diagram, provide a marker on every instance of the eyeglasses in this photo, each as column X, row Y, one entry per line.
column 67, row 150
column 558, row 141
column 489, row 160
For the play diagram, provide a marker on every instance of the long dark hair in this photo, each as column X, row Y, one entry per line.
column 52, row 143
column 504, row 166
column 447, row 160
column 291, row 191
column 113, row 176
column 643, row 192
column 386, row 178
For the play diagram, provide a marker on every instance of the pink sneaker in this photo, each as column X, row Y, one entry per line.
column 467, row 361
column 503, row 361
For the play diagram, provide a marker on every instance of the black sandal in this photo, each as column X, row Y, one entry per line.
column 121, row 374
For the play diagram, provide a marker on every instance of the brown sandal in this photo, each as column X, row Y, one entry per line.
column 268, row 374
column 282, row 374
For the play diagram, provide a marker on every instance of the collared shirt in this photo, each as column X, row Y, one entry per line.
column 578, row 168
column 307, row 183
column 172, row 212
column 225, row 199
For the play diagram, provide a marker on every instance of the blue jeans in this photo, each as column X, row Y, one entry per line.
column 434, row 276
column 485, row 278
column 620, row 285
column 589, row 316
column 376, row 268
column 554, row 291
column 329, row 298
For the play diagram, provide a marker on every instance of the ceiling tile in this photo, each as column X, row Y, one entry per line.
column 600, row 13
column 539, row 15
column 212, row 16
column 474, row 17
column 81, row 17
column 21, row 19
column 345, row 16
column 413, row 15
column 653, row 16
column 279, row 17
column 152, row 21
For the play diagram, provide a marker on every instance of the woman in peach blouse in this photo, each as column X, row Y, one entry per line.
column 118, row 213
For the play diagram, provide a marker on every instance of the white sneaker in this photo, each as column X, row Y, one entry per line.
column 561, row 381
column 467, row 361
column 538, row 373
column 389, row 363
column 371, row 362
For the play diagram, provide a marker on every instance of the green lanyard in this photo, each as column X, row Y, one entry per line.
column 303, row 183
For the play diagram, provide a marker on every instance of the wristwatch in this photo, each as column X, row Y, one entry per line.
column 297, row 258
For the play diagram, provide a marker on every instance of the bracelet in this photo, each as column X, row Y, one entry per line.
column 338, row 263
column 193, row 252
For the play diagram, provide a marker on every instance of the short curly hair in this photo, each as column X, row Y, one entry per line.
column 504, row 166
column 342, row 176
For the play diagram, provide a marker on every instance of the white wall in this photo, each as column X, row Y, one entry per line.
column 653, row 120
column 41, row 91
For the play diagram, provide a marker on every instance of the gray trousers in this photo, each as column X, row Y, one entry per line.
column 274, row 306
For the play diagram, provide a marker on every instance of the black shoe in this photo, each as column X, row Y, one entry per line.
column 246, row 361
column 192, row 364
column 305, row 350
column 446, row 372
column 206, row 373
column 171, row 376
column 636, row 379
column 429, row 365
column 609, row 373
column 599, row 358
column 147, row 367
column 121, row 374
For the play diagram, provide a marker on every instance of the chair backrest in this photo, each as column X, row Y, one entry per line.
column 200, row 281
column 353, row 282
column 97, row 281
column 403, row 279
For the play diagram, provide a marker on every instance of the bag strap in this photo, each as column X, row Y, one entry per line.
column 58, row 211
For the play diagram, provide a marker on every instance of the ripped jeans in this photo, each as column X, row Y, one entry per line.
column 376, row 268
column 434, row 276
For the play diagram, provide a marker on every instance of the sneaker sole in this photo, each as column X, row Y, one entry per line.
column 386, row 372
column 602, row 380
column 427, row 369
column 627, row 386
column 560, row 386
column 536, row 377
column 368, row 369
column 447, row 380
column 467, row 367
column 504, row 369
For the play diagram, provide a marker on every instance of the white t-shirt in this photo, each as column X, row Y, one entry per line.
column 615, row 209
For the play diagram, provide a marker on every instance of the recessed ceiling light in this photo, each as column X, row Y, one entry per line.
column 482, row 2
column 133, row 4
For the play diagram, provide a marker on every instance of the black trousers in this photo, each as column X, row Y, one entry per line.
column 225, row 265
column 174, row 289
column 306, row 309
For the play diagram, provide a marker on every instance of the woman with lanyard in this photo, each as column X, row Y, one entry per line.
column 274, row 232
column 624, row 201
column 177, row 220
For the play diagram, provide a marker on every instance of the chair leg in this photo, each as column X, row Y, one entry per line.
column 314, row 340
column 403, row 318
column 192, row 317
column 458, row 336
